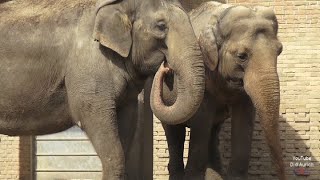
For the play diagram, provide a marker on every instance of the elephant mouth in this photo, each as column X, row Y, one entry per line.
column 166, row 65
column 235, row 83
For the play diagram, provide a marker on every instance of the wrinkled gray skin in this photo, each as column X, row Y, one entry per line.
column 189, row 5
column 240, row 48
column 53, row 74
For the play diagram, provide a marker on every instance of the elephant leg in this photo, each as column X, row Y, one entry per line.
column 214, row 153
column 198, row 148
column 212, row 174
column 103, row 134
column 131, row 139
column 98, row 119
column 175, row 138
column 243, row 115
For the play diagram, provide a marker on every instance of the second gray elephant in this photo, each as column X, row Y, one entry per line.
column 240, row 48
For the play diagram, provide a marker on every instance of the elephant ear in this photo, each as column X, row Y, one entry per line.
column 209, row 48
column 112, row 28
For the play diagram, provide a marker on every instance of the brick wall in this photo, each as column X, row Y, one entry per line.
column 299, row 71
column 14, row 158
column 9, row 157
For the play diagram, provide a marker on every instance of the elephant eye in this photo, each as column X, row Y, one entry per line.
column 161, row 25
column 242, row 56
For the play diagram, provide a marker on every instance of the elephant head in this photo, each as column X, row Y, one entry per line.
column 151, row 32
column 240, row 45
column 188, row 5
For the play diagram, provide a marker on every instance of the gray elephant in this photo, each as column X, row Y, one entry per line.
column 189, row 5
column 240, row 49
column 54, row 75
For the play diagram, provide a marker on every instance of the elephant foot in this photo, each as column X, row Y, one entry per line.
column 230, row 177
column 176, row 176
column 114, row 178
column 212, row 175
column 108, row 176
column 197, row 176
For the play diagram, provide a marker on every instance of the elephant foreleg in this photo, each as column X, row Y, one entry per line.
column 99, row 121
column 103, row 134
column 214, row 153
column 211, row 174
column 222, row 113
column 130, row 131
column 175, row 138
column 198, row 149
column 243, row 115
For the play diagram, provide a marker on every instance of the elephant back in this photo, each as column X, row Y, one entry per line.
column 35, row 11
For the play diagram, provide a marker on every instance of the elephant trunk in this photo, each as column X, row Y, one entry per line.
column 263, row 88
column 185, row 58
column 190, row 89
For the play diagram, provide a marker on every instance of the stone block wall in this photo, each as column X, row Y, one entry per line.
column 9, row 158
column 299, row 72
column 15, row 160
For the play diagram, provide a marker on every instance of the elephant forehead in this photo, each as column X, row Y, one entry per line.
column 249, row 20
column 265, row 12
column 248, row 28
column 237, row 12
column 149, row 15
column 232, row 15
column 254, row 23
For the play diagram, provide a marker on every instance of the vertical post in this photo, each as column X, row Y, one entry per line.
column 26, row 155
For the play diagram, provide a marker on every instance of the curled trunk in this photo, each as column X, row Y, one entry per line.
column 190, row 89
column 185, row 58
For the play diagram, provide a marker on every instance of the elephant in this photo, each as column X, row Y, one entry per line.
column 66, row 62
column 189, row 5
column 240, row 49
